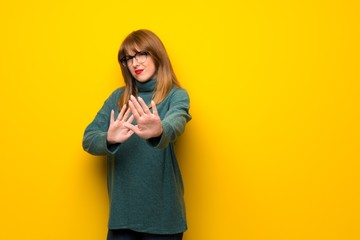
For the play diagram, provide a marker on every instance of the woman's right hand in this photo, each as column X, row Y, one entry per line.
column 117, row 132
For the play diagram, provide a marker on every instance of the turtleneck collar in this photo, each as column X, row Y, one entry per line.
column 148, row 86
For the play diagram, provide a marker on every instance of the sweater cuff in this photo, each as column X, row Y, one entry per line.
column 111, row 149
column 163, row 140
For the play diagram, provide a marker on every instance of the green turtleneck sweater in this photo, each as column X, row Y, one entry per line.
column 144, row 179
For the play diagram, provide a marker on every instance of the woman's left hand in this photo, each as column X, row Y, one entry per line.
column 148, row 123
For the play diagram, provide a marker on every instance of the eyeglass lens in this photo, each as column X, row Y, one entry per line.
column 140, row 57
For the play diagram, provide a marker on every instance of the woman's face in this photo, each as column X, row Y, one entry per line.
column 141, row 66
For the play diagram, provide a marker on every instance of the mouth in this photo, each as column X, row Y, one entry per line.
column 139, row 71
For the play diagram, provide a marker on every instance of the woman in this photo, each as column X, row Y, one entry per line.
column 136, row 129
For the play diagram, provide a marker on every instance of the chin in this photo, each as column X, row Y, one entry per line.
column 142, row 80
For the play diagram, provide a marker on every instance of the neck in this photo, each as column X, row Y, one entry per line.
column 148, row 86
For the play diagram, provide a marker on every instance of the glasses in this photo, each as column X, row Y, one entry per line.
column 139, row 56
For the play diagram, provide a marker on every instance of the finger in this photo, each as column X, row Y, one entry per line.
column 112, row 116
column 130, row 127
column 130, row 119
column 130, row 132
column 144, row 106
column 127, row 113
column 154, row 109
column 134, row 111
column 120, row 116
column 137, row 105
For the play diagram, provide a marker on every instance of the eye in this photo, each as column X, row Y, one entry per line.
column 127, row 58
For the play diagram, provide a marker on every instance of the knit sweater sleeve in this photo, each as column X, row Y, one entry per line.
column 175, row 119
column 94, row 140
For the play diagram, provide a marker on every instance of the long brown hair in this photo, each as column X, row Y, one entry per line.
column 145, row 40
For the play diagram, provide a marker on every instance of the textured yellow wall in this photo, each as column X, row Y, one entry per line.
column 272, row 151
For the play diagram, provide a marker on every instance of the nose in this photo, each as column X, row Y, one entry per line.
column 134, row 62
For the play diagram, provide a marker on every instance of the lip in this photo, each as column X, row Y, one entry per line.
column 138, row 71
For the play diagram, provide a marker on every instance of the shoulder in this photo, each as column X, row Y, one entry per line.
column 178, row 92
column 116, row 93
column 113, row 99
column 178, row 95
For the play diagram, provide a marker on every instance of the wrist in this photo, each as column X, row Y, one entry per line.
column 109, row 141
column 159, row 132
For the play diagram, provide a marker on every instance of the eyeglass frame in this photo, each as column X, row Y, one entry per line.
column 124, row 60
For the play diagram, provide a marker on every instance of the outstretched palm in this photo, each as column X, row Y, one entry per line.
column 148, row 123
column 117, row 132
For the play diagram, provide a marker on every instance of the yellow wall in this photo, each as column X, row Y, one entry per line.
column 272, row 151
